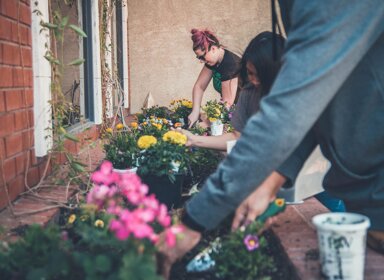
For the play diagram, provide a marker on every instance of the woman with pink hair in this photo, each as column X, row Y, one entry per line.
column 220, row 65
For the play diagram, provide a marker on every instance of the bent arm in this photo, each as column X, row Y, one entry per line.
column 307, row 82
column 200, row 86
column 212, row 142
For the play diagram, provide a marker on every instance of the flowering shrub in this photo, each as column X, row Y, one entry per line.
column 152, row 126
column 112, row 236
column 242, row 255
column 154, row 111
column 181, row 108
column 218, row 111
column 167, row 155
column 121, row 148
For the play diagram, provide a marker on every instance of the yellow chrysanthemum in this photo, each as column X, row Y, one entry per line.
column 146, row 141
column 99, row 223
column 119, row 126
column 134, row 125
column 72, row 219
column 159, row 126
column 109, row 130
column 175, row 137
column 186, row 103
column 212, row 120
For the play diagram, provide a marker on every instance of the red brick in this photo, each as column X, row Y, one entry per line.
column 11, row 54
column 33, row 176
column 25, row 35
column 9, row 8
column 31, row 117
column 7, row 124
column 16, row 186
column 6, row 28
column 13, row 100
column 26, row 58
column 25, row 14
column 1, row 53
column 6, row 76
column 13, row 144
column 21, row 162
column 28, row 139
column 2, row 102
column 2, row 151
column 29, row 98
column 22, row 77
column 14, row 36
column 9, row 169
column 32, row 158
column 21, row 120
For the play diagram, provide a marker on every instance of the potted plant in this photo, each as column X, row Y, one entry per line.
column 154, row 111
column 163, row 164
column 219, row 114
column 181, row 108
column 121, row 149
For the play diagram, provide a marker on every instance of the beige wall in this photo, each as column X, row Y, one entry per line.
column 161, row 59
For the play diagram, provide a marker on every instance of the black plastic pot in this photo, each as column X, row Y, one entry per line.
column 165, row 191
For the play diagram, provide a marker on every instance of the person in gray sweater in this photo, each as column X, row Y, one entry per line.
column 329, row 91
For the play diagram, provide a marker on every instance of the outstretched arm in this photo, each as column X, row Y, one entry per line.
column 200, row 86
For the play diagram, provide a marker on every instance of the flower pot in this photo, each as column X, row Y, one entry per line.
column 341, row 238
column 217, row 129
column 165, row 191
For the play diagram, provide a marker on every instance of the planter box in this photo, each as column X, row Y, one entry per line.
column 165, row 191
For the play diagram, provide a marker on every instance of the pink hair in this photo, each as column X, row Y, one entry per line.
column 203, row 39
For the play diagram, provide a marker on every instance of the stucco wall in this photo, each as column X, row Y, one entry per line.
column 161, row 59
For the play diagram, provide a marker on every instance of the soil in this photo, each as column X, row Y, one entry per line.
column 284, row 269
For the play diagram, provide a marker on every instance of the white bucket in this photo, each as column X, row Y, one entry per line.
column 342, row 244
column 217, row 129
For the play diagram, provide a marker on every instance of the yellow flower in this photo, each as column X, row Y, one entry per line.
column 119, row 126
column 99, row 223
column 159, row 126
column 144, row 123
column 175, row 137
column 146, row 141
column 212, row 120
column 134, row 125
column 109, row 130
column 72, row 219
column 187, row 103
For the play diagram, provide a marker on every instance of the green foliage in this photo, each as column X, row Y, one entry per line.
column 181, row 109
column 79, row 250
column 164, row 159
column 235, row 261
column 121, row 149
column 154, row 111
column 218, row 111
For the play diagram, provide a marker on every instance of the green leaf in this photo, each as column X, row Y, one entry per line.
column 64, row 22
column 77, row 167
column 77, row 61
column 78, row 30
column 52, row 59
column 48, row 25
column 71, row 137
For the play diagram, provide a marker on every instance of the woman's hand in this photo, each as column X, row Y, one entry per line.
column 192, row 118
column 167, row 256
column 257, row 202
column 189, row 135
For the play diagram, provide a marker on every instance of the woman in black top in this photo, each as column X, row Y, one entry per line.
column 220, row 65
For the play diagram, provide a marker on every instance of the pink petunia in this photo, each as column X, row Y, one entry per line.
column 251, row 242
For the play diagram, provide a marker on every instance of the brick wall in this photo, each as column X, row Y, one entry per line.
column 16, row 99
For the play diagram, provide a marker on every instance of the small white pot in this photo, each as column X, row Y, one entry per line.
column 122, row 171
column 217, row 129
column 342, row 244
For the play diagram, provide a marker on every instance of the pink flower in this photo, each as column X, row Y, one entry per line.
column 251, row 242
column 171, row 235
column 142, row 230
column 105, row 175
column 162, row 217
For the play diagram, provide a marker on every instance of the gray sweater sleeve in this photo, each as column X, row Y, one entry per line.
column 326, row 41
